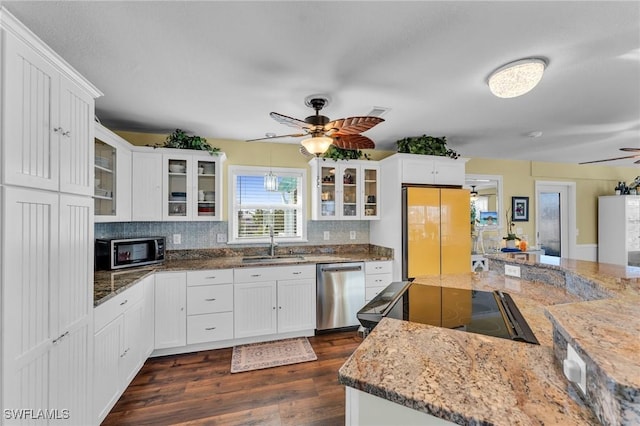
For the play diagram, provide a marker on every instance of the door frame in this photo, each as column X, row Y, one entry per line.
column 568, row 222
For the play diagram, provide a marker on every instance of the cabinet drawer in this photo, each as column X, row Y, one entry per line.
column 208, row 299
column 378, row 280
column 210, row 276
column 379, row 267
column 371, row 292
column 109, row 310
column 248, row 275
column 209, row 327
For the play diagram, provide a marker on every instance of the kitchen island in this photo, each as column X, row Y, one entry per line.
column 466, row 378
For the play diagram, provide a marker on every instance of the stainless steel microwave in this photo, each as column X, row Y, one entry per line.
column 129, row 252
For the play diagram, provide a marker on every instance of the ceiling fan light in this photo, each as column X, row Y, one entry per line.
column 317, row 145
column 516, row 78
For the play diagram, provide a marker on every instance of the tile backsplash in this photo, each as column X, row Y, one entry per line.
column 201, row 235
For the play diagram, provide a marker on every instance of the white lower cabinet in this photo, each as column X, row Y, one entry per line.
column 272, row 300
column 121, row 343
column 170, row 310
column 377, row 277
column 209, row 306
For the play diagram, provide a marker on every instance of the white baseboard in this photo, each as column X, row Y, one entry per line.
column 586, row 252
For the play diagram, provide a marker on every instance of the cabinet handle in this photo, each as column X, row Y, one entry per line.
column 297, row 273
column 255, row 275
column 58, row 130
column 210, row 328
column 125, row 302
column 67, row 134
column 279, row 307
column 211, row 278
column 124, row 353
column 210, row 300
column 55, row 342
column 274, row 308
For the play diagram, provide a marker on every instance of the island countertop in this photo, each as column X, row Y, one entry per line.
column 468, row 378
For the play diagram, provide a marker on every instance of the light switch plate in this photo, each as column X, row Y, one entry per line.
column 221, row 238
column 352, row 235
column 575, row 369
column 177, row 239
column 327, row 235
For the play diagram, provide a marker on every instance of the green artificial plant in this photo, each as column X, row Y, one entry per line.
column 180, row 140
column 510, row 225
column 336, row 154
column 426, row 145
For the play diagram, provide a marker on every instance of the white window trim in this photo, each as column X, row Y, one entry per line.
column 234, row 171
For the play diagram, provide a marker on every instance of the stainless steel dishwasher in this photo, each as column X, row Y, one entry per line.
column 340, row 294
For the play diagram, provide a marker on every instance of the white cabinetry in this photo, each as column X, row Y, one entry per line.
column 209, row 306
column 112, row 192
column 377, row 277
column 345, row 190
column 272, row 300
column 46, row 215
column 146, row 189
column 176, row 185
column 619, row 229
column 122, row 334
column 426, row 169
column 170, row 310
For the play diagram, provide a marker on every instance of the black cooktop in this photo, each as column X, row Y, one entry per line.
column 492, row 313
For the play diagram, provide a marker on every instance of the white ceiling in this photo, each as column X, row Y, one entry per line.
column 218, row 68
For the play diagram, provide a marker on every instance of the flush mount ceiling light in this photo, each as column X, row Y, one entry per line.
column 516, row 78
column 317, row 145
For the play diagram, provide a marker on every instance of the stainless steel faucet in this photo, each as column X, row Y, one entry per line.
column 272, row 248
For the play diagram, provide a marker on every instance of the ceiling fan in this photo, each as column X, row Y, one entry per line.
column 619, row 158
column 343, row 133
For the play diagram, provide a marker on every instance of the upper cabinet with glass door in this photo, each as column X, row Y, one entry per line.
column 192, row 186
column 112, row 177
column 344, row 190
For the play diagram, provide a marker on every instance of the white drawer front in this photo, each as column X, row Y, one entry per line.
column 210, row 276
column 378, row 267
column 371, row 292
column 274, row 273
column 378, row 280
column 106, row 312
column 209, row 299
column 209, row 327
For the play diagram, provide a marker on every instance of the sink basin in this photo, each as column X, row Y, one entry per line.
column 274, row 259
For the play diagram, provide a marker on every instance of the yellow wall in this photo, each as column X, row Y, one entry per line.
column 519, row 177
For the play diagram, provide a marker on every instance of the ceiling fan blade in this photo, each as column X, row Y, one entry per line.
column 630, row 149
column 290, row 121
column 353, row 142
column 294, row 135
column 611, row 159
column 352, row 125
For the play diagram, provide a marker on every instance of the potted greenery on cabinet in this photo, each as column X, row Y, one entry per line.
column 426, row 145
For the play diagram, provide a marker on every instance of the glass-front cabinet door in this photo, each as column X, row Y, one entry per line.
column 327, row 192
column 371, row 189
column 177, row 187
column 205, row 181
column 350, row 193
column 104, row 179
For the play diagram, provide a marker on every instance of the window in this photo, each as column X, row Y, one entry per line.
column 254, row 211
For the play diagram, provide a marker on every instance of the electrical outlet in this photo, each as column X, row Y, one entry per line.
column 575, row 369
column 221, row 238
column 177, row 238
column 352, row 235
column 327, row 235
column 512, row 270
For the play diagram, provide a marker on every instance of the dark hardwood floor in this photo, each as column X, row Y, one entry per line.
column 197, row 389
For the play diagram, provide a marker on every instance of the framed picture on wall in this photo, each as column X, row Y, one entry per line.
column 520, row 209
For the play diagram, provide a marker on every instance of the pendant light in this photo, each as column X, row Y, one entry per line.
column 473, row 193
column 516, row 78
column 270, row 179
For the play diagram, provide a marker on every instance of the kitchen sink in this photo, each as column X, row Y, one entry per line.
column 272, row 259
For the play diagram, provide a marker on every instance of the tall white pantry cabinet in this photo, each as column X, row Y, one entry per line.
column 619, row 229
column 46, row 233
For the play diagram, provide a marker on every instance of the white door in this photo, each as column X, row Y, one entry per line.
column 30, row 262
column 76, row 141
column 254, row 309
column 106, row 363
column 170, row 310
column 31, row 146
column 131, row 356
column 555, row 218
column 148, row 329
column 146, row 191
column 296, row 305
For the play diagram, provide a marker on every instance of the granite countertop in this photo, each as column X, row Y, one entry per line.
column 107, row 284
column 470, row 378
column 474, row 379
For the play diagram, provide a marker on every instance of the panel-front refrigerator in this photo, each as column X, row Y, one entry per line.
column 436, row 231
